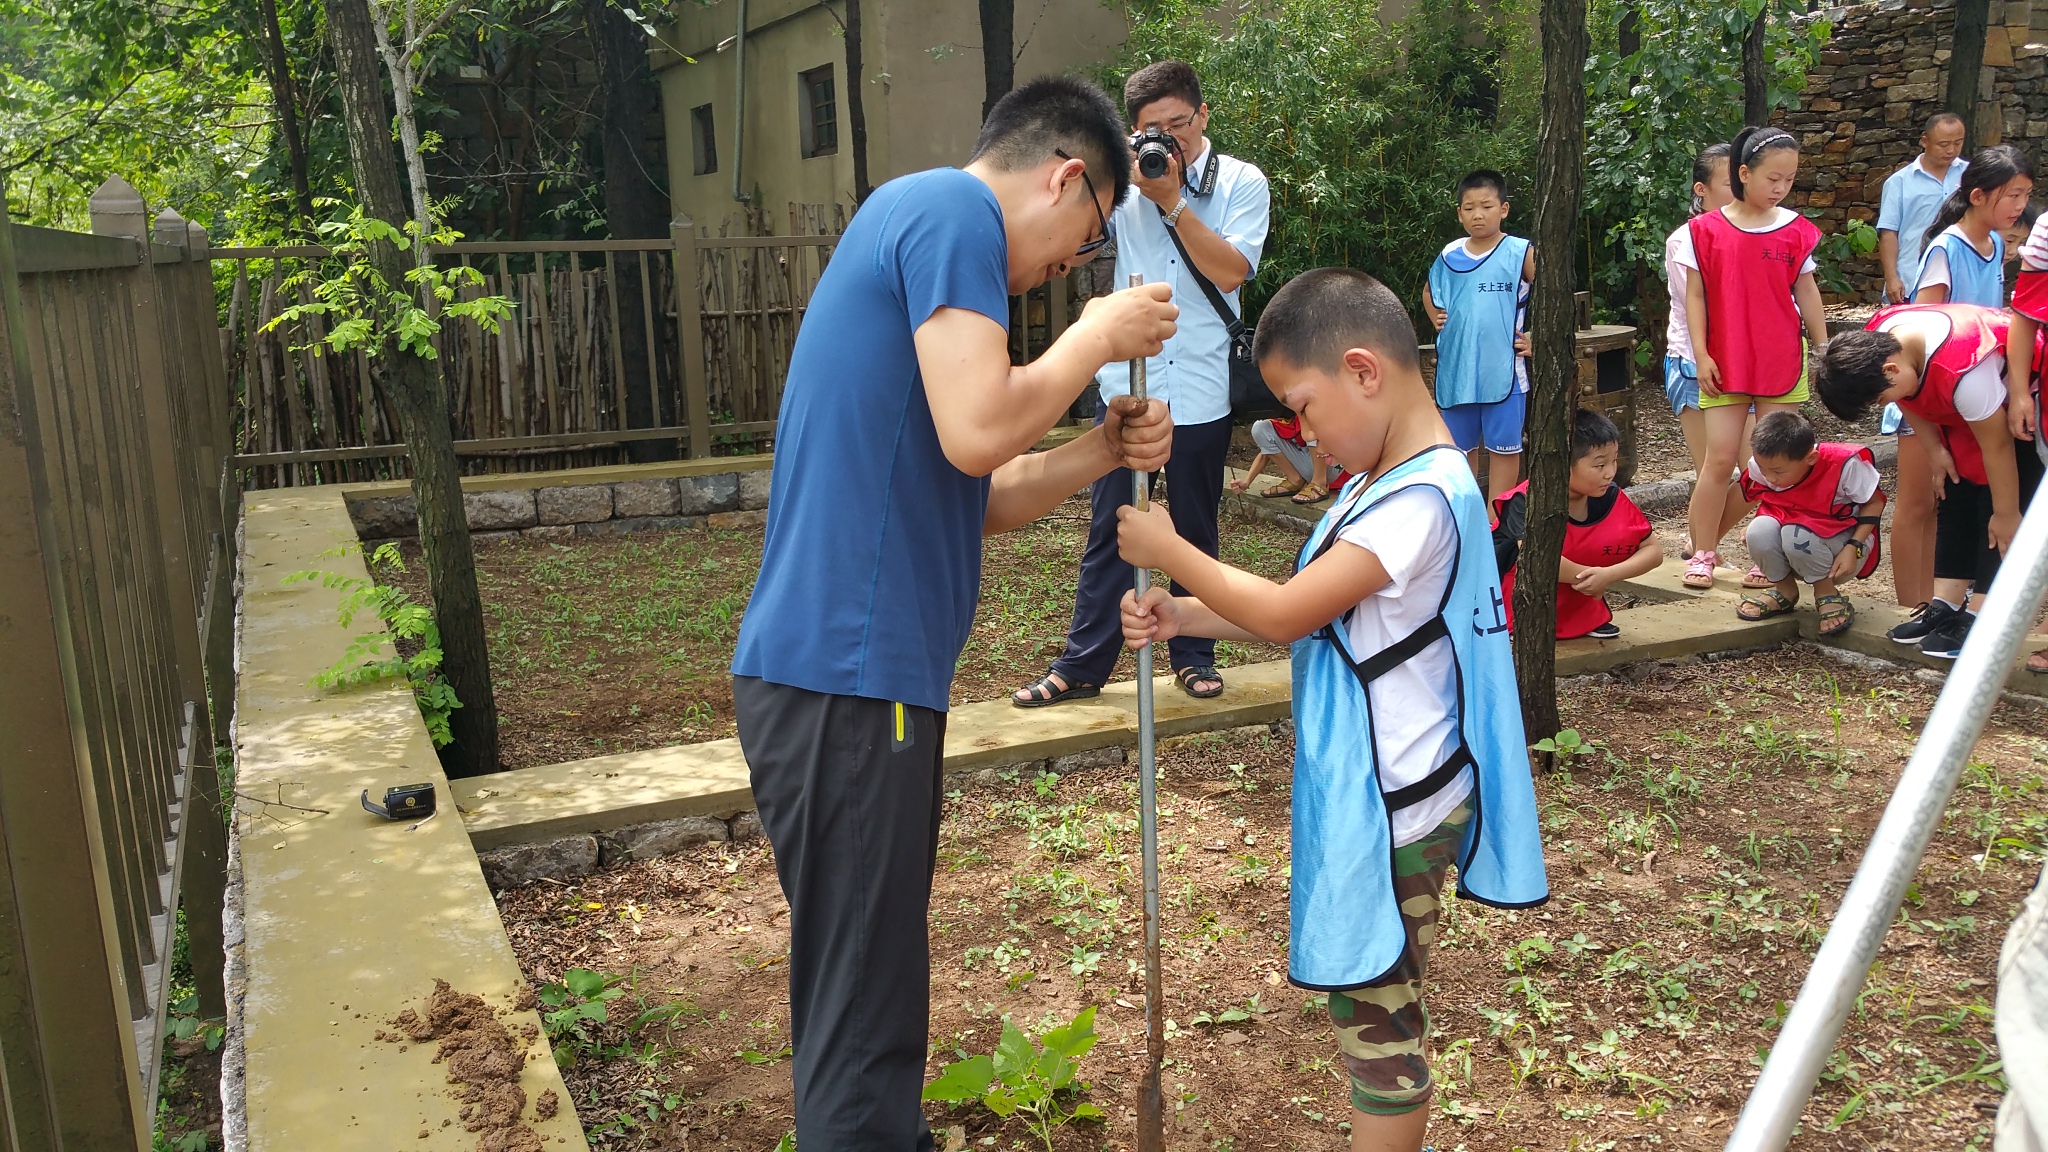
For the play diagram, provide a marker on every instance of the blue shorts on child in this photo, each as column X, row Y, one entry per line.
column 1681, row 384
column 1496, row 427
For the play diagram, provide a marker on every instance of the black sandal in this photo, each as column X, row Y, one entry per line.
column 1041, row 692
column 1189, row 676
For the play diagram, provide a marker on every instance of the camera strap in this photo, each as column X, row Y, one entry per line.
column 1216, row 300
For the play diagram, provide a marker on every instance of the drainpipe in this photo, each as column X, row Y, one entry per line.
column 739, row 105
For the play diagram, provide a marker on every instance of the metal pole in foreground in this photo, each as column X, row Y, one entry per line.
column 1151, row 1103
column 1859, row 927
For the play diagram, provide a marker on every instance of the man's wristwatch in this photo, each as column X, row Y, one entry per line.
column 1172, row 219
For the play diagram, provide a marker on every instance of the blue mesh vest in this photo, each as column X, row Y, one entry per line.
column 1475, row 352
column 1972, row 279
column 1345, row 924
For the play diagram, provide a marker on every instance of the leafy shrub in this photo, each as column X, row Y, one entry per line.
column 1026, row 1079
column 404, row 619
column 1362, row 128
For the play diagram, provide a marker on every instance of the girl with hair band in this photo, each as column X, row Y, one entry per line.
column 1710, row 193
column 1964, row 263
column 1753, row 293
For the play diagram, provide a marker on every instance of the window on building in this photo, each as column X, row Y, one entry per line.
column 820, row 110
column 703, row 140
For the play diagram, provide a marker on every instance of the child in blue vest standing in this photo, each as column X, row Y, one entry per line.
column 1409, row 751
column 1476, row 296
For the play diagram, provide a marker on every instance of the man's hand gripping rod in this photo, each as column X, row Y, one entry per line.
column 1151, row 1104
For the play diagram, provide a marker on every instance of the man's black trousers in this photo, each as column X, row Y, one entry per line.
column 849, row 790
column 1194, row 488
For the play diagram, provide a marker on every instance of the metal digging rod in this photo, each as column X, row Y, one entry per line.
column 1859, row 927
column 1151, row 1105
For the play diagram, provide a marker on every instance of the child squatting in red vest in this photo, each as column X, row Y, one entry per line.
column 1606, row 537
column 1818, row 509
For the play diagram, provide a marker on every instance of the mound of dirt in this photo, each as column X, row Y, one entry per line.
column 483, row 1058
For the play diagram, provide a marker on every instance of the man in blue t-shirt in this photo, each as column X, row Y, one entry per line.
column 902, row 441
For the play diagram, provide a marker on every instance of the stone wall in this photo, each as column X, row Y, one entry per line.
column 1883, row 73
column 567, row 511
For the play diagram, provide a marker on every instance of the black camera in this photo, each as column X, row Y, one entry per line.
column 1155, row 150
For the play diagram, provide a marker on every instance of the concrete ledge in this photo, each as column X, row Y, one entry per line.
column 346, row 919
column 570, row 477
column 725, row 492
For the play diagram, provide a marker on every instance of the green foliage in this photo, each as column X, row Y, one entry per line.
column 1363, row 129
column 363, row 661
column 1650, row 112
column 185, row 1022
column 572, row 1006
column 1026, row 1079
column 366, row 312
column 1565, row 745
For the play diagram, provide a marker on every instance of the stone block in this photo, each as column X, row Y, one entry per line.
column 660, row 838
column 552, row 859
column 646, row 498
column 495, row 537
column 384, row 517
column 746, row 826
column 1997, row 51
column 754, row 490
column 702, row 495
column 633, row 524
column 738, row 519
column 1109, row 757
column 2037, row 129
column 573, row 504
column 502, row 509
column 554, row 533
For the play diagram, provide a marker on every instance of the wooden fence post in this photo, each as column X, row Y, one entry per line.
column 74, row 1077
column 204, row 829
column 682, row 234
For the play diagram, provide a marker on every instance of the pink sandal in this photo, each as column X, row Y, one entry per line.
column 1756, row 578
column 1699, row 571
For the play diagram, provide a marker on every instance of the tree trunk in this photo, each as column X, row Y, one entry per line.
column 1966, row 64
column 398, row 65
column 856, row 107
column 635, row 207
column 998, row 39
column 1560, row 178
column 1756, row 87
column 415, row 386
column 284, row 98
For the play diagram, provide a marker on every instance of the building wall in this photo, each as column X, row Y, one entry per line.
column 1884, row 72
column 922, row 83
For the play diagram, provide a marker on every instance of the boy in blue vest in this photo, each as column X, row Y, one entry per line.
column 1476, row 296
column 1408, row 728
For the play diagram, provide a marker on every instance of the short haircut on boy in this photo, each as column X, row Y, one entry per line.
column 1783, row 435
column 1484, row 178
column 1319, row 314
column 1051, row 114
column 1942, row 120
column 1157, row 81
column 1849, row 376
column 1591, row 431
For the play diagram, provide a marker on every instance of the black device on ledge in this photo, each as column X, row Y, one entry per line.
column 405, row 802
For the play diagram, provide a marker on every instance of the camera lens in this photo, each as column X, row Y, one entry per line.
column 1152, row 160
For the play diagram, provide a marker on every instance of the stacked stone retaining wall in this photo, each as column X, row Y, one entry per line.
column 1883, row 73
column 569, row 511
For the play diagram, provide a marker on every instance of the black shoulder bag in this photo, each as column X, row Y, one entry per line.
column 1250, row 398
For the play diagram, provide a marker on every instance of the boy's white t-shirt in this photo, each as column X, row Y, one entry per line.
column 2034, row 253
column 1415, row 705
column 1980, row 392
column 1857, row 484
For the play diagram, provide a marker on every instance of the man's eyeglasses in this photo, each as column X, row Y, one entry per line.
column 1095, row 245
column 1177, row 124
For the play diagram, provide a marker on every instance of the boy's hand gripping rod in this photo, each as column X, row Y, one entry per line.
column 1151, row 1105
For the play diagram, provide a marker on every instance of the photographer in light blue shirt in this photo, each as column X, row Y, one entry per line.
column 1218, row 207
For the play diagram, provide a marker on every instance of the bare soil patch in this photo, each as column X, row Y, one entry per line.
column 614, row 645
column 1695, row 857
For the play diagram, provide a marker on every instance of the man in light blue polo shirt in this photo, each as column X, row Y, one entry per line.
column 1219, row 207
column 1911, row 197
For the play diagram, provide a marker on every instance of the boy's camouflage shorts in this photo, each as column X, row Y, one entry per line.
column 1382, row 1027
